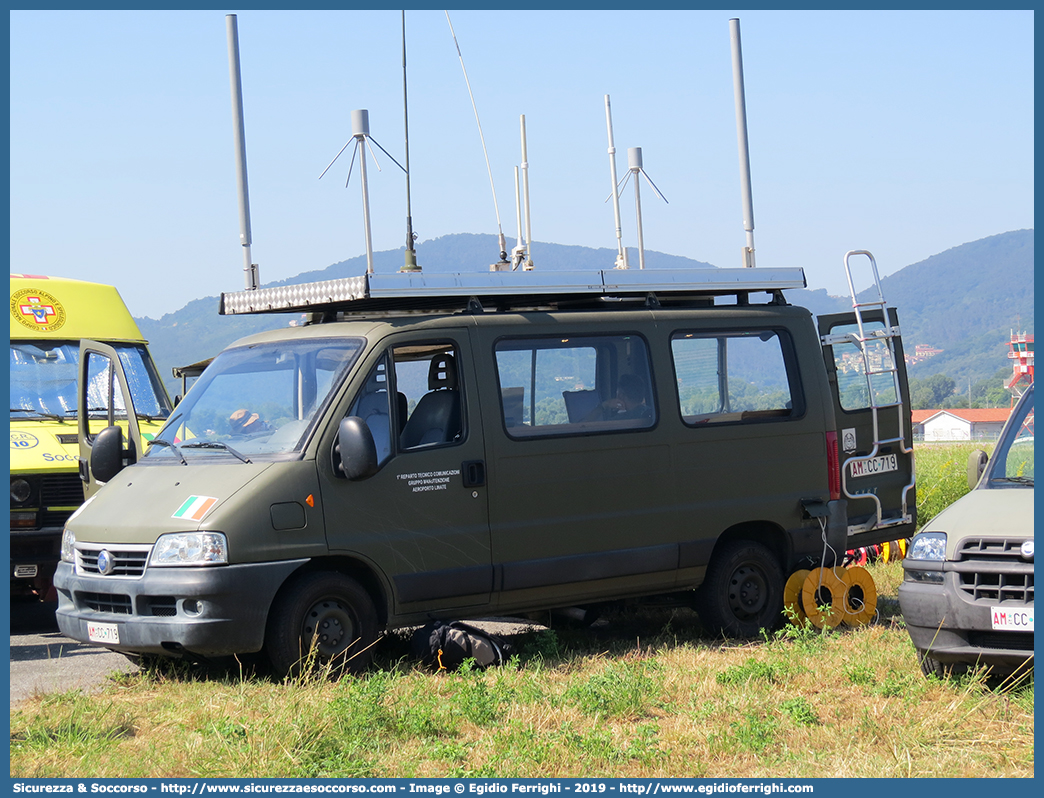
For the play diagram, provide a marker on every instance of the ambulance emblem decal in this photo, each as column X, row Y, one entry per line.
column 37, row 310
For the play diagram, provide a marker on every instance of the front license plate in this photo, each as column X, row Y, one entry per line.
column 875, row 465
column 1011, row 620
column 103, row 633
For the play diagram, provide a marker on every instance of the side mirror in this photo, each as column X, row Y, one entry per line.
column 977, row 461
column 107, row 454
column 358, row 451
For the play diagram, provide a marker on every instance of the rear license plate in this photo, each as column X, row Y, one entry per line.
column 103, row 633
column 1011, row 620
column 875, row 465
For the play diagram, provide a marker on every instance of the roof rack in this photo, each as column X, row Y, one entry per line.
column 426, row 290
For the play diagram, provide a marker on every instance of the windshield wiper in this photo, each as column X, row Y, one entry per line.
column 215, row 445
column 38, row 413
column 161, row 442
column 1019, row 480
column 147, row 417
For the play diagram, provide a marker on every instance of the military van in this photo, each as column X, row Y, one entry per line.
column 50, row 316
column 451, row 446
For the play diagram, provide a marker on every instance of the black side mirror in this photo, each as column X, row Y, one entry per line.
column 107, row 454
column 977, row 461
column 358, row 450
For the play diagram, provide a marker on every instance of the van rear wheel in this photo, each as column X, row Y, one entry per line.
column 742, row 592
column 321, row 620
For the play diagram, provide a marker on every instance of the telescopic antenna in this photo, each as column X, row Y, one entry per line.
column 411, row 253
column 621, row 256
column 503, row 265
column 741, row 132
column 528, row 265
column 250, row 270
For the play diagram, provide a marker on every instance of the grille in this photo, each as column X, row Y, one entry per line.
column 1015, row 641
column 128, row 561
column 61, row 490
column 54, row 518
column 163, row 606
column 113, row 603
column 992, row 570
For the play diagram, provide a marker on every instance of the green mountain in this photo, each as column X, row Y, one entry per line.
column 964, row 301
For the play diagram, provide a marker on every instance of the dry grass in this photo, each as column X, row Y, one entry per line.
column 648, row 695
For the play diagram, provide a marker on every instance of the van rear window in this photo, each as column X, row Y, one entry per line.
column 732, row 376
column 571, row 385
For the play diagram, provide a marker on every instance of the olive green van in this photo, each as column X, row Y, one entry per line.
column 449, row 446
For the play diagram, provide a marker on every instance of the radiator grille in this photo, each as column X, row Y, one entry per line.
column 999, row 573
column 113, row 603
column 129, row 561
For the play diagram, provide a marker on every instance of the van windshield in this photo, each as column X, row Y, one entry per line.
column 1012, row 461
column 259, row 399
column 44, row 374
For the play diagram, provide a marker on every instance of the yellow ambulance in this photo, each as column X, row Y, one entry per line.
column 50, row 316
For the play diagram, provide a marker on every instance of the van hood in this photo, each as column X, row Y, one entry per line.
column 143, row 502
column 36, row 446
column 1005, row 512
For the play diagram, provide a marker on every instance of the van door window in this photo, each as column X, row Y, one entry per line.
column 733, row 376
column 373, row 407
column 428, row 395
column 851, row 369
column 570, row 385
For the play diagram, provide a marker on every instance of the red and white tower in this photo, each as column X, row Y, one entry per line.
column 1020, row 353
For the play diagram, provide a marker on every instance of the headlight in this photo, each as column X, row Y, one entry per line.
column 21, row 490
column 928, row 546
column 190, row 548
column 68, row 545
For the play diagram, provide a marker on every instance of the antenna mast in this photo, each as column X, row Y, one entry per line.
column 250, row 270
column 411, row 253
column 741, row 132
column 634, row 162
column 503, row 264
column 361, row 135
column 621, row 256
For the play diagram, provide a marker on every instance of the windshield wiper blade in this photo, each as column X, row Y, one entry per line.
column 215, row 445
column 42, row 413
column 1019, row 480
column 161, row 442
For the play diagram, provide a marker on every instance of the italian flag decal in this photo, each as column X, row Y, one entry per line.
column 195, row 507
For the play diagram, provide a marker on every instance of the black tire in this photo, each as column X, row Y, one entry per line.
column 933, row 667
column 325, row 620
column 742, row 592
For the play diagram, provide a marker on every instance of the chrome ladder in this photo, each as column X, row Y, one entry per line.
column 878, row 367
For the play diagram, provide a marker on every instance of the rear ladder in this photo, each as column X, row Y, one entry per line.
column 877, row 348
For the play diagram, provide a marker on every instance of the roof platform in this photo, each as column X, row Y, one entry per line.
column 433, row 291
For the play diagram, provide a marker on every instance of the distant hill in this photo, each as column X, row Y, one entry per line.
column 963, row 301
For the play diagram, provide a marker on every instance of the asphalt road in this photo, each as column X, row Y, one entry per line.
column 44, row 661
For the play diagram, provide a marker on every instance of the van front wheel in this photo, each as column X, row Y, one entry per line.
column 742, row 592
column 321, row 619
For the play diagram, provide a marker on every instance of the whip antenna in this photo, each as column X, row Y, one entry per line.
column 411, row 253
column 741, row 133
column 621, row 255
column 500, row 229
column 250, row 270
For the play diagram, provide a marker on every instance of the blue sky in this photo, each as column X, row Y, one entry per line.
column 905, row 133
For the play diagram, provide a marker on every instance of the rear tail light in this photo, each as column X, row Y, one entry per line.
column 833, row 467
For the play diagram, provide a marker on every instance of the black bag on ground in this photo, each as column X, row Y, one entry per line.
column 445, row 646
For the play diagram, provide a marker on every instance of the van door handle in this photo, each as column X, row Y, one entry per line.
column 473, row 472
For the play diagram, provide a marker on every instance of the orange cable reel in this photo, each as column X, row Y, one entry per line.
column 792, row 605
column 860, row 597
column 823, row 596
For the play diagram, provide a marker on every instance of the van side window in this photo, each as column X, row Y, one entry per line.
column 852, row 384
column 428, row 394
column 571, row 385
column 732, row 376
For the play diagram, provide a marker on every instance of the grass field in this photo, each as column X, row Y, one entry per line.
column 648, row 694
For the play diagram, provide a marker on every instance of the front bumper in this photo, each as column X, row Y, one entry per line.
column 201, row 612
column 951, row 628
